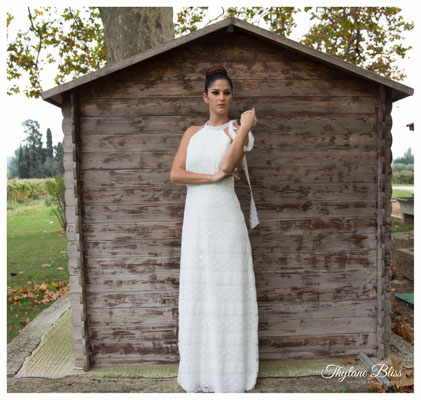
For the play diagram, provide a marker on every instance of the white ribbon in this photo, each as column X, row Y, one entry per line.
column 254, row 219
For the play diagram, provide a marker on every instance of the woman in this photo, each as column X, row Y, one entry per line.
column 218, row 314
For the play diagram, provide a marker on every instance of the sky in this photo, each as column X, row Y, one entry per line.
column 19, row 107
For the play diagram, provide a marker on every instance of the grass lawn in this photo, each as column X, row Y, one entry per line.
column 401, row 193
column 401, row 227
column 36, row 255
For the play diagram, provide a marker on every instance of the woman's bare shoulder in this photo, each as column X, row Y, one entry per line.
column 196, row 127
column 192, row 129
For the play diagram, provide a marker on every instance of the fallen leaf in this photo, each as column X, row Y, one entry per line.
column 348, row 360
column 376, row 387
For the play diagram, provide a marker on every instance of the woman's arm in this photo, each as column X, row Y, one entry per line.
column 178, row 170
column 235, row 151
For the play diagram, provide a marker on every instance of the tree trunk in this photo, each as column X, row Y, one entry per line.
column 132, row 30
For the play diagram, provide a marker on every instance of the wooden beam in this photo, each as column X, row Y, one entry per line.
column 381, row 266
column 71, row 143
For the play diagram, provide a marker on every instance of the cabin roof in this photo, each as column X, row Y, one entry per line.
column 398, row 90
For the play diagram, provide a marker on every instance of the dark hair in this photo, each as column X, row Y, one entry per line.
column 214, row 73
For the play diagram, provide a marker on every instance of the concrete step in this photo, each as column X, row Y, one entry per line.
column 404, row 259
column 402, row 240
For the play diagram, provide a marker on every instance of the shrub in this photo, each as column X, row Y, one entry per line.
column 56, row 190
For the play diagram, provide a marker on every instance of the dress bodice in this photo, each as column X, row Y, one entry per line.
column 206, row 150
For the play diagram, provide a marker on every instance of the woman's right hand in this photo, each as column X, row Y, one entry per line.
column 220, row 175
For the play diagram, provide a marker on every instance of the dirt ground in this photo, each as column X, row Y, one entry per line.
column 78, row 384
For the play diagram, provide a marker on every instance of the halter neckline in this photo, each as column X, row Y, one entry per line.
column 217, row 126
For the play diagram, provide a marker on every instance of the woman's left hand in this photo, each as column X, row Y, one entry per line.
column 248, row 118
column 235, row 175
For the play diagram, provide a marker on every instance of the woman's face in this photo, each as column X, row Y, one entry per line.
column 219, row 92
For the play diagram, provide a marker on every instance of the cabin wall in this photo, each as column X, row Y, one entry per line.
column 315, row 177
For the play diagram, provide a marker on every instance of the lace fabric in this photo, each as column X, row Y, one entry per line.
column 218, row 312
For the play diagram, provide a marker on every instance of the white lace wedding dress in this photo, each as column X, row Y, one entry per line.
column 218, row 314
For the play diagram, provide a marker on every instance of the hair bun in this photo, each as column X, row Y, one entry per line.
column 219, row 69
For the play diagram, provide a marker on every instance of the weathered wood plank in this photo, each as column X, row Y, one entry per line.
column 279, row 210
column 276, row 175
column 316, row 347
column 147, row 349
column 103, row 322
column 267, row 356
column 288, row 65
column 303, row 342
column 161, row 230
column 141, row 335
column 317, row 326
column 302, row 122
column 169, row 280
column 132, row 299
column 264, row 140
column 154, row 359
column 111, row 318
column 282, row 279
column 300, row 242
column 288, row 262
column 136, row 299
column 316, row 353
column 123, row 107
column 319, row 309
column 260, row 176
column 323, row 192
column 286, row 192
column 292, row 156
column 317, row 293
column 250, row 87
column 302, row 262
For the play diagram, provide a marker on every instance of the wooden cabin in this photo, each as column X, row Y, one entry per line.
column 321, row 176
